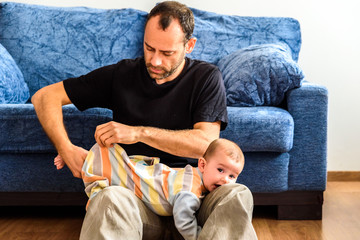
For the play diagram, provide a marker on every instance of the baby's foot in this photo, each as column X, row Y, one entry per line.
column 59, row 162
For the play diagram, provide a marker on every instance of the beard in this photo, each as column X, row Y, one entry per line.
column 164, row 71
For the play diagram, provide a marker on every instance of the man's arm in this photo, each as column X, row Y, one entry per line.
column 48, row 103
column 190, row 143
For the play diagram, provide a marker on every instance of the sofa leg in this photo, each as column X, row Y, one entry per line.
column 299, row 212
column 293, row 205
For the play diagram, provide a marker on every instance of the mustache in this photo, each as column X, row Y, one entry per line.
column 149, row 65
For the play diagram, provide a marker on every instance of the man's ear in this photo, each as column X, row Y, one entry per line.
column 190, row 45
column 201, row 164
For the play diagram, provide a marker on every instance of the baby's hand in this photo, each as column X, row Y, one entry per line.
column 59, row 162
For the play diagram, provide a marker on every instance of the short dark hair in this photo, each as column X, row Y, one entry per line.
column 170, row 10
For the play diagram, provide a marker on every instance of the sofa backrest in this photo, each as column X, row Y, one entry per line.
column 51, row 44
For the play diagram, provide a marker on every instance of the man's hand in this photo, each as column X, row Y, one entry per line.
column 112, row 132
column 74, row 158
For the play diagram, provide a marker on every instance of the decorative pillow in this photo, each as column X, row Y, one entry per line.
column 13, row 88
column 259, row 75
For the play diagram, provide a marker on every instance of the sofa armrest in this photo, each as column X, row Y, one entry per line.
column 309, row 107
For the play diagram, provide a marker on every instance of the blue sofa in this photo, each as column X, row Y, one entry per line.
column 277, row 117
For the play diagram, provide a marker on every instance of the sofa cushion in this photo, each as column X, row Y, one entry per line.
column 256, row 129
column 260, row 129
column 21, row 131
column 13, row 88
column 219, row 35
column 55, row 43
column 35, row 172
column 259, row 75
column 265, row 172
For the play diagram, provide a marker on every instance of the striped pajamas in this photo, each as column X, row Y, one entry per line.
column 166, row 191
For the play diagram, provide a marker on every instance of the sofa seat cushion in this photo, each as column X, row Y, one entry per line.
column 21, row 131
column 265, row 172
column 255, row 129
column 35, row 172
column 260, row 129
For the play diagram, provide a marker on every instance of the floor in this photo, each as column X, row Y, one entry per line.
column 341, row 220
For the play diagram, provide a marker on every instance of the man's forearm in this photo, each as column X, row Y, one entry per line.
column 49, row 111
column 190, row 143
column 48, row 104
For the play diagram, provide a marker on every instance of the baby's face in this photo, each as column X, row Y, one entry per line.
column 219, row 169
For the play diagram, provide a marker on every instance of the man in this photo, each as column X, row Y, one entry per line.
column 164, row 105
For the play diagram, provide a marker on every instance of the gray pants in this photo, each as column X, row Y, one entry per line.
column 116, row 213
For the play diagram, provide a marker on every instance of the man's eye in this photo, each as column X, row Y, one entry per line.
column 168, row 54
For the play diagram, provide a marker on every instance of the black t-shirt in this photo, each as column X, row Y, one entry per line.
column 196, row 95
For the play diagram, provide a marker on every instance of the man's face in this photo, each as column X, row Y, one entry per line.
column 164, row 51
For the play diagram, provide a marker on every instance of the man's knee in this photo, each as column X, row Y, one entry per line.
column 230, row 196
column 229, row 191
column 233, row 188
column 115, row 197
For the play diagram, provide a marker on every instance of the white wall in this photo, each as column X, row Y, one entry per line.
column 329, row 56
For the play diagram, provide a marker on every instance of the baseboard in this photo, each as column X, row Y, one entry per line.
column 343, row 176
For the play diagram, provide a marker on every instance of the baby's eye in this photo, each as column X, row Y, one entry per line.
column 232, row 176
column 220, row 170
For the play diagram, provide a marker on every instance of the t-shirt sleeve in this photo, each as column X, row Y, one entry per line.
column 211, row 106
column 92, row 89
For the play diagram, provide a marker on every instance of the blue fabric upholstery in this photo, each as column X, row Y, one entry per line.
column 259, row 75
column 13, row 89
column 52, row 44
column 274, row 126
column 78, row 40
column 220, row 35
column 25, row 135
column 284, row 145
column 309, row 106
column 258, row 175
column 35, row 172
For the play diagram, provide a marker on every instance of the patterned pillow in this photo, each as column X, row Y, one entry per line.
column 13, row 88
column 259, row 75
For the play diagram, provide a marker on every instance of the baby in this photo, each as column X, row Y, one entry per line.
column 167, row 191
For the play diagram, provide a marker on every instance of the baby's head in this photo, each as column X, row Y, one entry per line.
column 222, row 163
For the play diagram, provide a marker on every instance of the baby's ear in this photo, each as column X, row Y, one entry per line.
column 201, row 164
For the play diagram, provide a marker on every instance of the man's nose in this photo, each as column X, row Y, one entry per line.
column 156, row 59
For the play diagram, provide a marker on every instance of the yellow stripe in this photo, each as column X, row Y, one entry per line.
column 148, row 178
column 121, row 169
column 178, row 182
column 89, row 162
column 154, row 196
